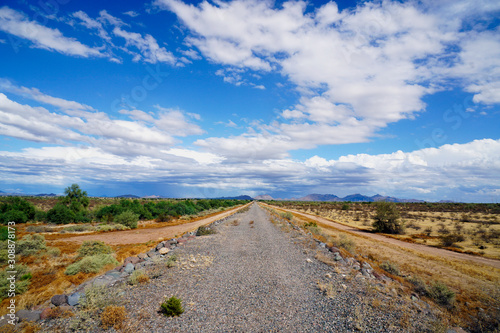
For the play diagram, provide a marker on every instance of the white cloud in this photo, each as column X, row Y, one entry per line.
column 148, row 46
column 131, row 13
column 35, row 94
column 357, row 70
column 143, row 134
column 17, row 24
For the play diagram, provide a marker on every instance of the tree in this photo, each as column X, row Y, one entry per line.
column 387, row 218
column 76, row 199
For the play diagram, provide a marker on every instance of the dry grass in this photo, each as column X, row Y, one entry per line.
column 113, row 316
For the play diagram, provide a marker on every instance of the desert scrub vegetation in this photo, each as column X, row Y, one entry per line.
column 137, row 277
column 113, row 316
column 20, row 282
column 128, row 218
column 387, row 219
column 204, row 230
column 95, row 255
column 172, row 307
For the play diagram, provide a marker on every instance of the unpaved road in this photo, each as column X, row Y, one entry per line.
column 412, row 246
column 253, row 277
column 138, row 236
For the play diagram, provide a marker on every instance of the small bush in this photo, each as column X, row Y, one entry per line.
column 91, row 264
column 78, row 228
column 13, row 216
column 171, row 261
column 451, row 239
column 98, row 297
column 53, row 252
column 389, row 267
column 127, row 218
column 31, row 244
column 440, row 293
column 4, row 233
column 345, row 207
column 113, row 316
column 172, row 307
column 60, row 214
column 22, row 279
column 202, row 231
column 418, row 285
column 138, row 277
column 387, row 219
column 111, row 227
column 91, row 248
column 287, row 215
column 345, row 243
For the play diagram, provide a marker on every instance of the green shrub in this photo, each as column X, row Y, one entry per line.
column 202, row 231
column 111, row 227
column 91, row 264
column 30, row 244
column 172, row 307
column 22, row 280
column 40, row 216
column 91, row 248
column 53, row 252
column 60, row 214
column 127, row 218
column 4, row 232
column 13, row 216
column 389, row 267
column 440, row 293
column 345, row 207
column 387, row 219
column 171, row 261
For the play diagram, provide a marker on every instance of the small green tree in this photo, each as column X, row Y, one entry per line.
column 387, row 218
column 172, row 307
column 76, row 199
column 60, row 214
column 128, row 219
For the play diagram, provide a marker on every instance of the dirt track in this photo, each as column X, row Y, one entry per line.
column 138, row 236
column 416, row 247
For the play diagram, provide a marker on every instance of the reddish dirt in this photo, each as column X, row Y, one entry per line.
column 412, row 246
column 138, row 236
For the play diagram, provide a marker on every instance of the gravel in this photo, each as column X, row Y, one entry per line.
column 263, row 277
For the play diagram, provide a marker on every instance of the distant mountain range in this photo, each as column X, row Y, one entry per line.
column 333, row 198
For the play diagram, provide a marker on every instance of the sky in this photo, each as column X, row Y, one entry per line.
column 220, row 98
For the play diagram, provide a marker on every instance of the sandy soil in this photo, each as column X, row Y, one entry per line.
column 416, row 247
column 138, row 236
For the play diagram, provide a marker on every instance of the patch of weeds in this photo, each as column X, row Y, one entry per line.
column 203, row 230
column 345, row 243
column 113, row 316
column 98, row 297
column 22, row 279
column 389, row 267
column 53, row 252
column 58, row 312
column 441, row 294
column 137, row 277
column 111, row 227
column 39, row 228
column 84, row 322
column 91, row 248
column 171, row 261
column 418, row 285
column 172, row 307
column 287, row 215
column 91, row 264
column 30, row 244
column 78, row 228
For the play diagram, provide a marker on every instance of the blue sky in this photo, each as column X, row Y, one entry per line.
column 218, row 98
